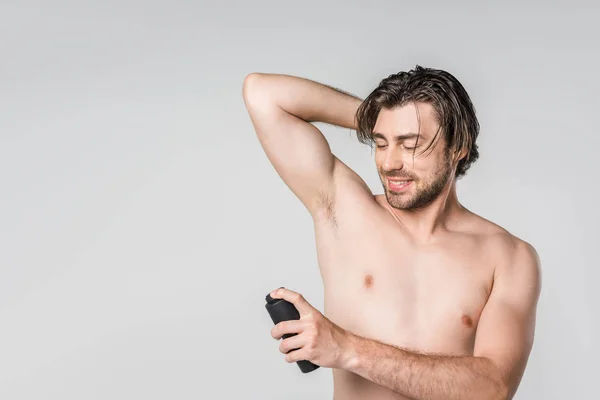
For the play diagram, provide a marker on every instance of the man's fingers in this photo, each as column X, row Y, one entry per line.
column 291, row 343
column 295, row 298
column 295, row 355
column 285, row 327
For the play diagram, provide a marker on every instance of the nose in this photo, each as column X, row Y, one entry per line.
column 393, row 160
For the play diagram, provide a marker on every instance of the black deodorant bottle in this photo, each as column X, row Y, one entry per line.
column 283, row 310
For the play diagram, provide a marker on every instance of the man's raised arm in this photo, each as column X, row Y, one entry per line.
column 282, row 108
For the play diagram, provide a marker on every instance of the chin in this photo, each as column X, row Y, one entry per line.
column 399, row 200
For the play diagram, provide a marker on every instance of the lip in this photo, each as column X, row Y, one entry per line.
column 394, row 185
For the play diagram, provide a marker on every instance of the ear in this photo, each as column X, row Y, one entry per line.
column 459, row 155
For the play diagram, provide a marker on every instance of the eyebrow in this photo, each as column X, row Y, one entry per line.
column 403, row 136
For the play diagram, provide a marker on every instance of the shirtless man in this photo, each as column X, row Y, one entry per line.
column 423, row 298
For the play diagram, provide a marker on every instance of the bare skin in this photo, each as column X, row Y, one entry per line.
column 433, row 302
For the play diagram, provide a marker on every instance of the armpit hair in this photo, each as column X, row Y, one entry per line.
column 325, row 207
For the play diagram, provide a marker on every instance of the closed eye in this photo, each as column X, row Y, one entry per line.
column 410, row 147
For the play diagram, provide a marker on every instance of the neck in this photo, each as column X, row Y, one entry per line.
column 424, row 224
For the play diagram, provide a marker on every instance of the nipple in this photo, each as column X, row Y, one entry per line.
column 368, row 281
column 467, row 321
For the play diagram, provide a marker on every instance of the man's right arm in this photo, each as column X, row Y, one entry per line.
column 282, row 108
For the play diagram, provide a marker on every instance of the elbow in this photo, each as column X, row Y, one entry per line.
column 499, row 384
column 252, row 83
column 500, row 391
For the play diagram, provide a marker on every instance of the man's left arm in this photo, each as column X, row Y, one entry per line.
column 503, row 342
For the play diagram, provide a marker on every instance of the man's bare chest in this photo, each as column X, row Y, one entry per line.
column 380, row 285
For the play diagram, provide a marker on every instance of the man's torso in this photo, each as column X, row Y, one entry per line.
column 382, row 284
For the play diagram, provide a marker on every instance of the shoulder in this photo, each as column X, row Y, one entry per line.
column 521, row 266
column 516, row 261
column 505, row 243
column 510, row 254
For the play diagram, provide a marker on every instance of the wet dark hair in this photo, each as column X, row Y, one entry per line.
column 452, row 105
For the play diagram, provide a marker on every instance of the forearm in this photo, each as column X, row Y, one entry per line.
column 308, row 100
column 423, row 376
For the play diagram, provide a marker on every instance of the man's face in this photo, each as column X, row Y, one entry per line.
column 410, row 179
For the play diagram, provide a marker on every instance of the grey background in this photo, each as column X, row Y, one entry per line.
column 141, row 224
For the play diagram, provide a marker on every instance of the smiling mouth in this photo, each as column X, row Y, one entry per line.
column 397, row 185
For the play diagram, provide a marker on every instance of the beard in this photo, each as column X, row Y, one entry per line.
column 422, row 193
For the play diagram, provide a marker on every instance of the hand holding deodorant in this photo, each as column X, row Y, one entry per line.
column 283, row 310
